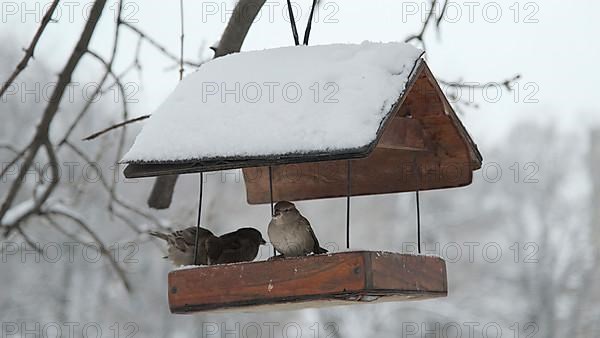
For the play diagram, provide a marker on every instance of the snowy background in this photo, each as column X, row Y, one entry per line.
column 518, row 242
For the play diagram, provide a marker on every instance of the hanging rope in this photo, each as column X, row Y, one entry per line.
column 293, row 23
column 348, row 194
column 418, row 222
column 199, row 219
column 201, row 174
column 309, row 24
column 417, row 172
column 271, row 197
column 181, row 50
column 271, row 190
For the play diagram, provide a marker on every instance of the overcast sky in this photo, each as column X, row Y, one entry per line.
column 550, row 42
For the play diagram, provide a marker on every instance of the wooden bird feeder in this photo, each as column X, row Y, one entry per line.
column 418, row 144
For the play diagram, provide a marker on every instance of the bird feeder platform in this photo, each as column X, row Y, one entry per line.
column 313, row 281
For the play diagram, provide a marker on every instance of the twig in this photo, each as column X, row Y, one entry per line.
column 108, row 70
column 84, row 110
column 17, row 157
column 438, row 22
column 10, row 148
column 120, row 272
column 472, row 86
column 121, row 145
column 107, row 187
column 30, row 50
column 29, row 241
column 430, row 18
column 115, row 126
column 135, row 64
column 158, row 46
column 461, row 84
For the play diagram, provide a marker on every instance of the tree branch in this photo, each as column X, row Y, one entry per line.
column 114, row 196
column 105, row 252
column 41, row 135
column 430, row 18
column 30, row 50
column 238, row 26
column 18, row 156
column 158, row 46
column 115, row 126
column 39, row 200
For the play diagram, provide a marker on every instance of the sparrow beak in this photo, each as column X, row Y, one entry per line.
column 262, row 242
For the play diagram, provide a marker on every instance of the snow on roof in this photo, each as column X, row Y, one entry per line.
column 278, row 101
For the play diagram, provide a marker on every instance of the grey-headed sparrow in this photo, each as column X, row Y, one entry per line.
column 291, row 233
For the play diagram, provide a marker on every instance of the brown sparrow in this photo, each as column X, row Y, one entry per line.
column 291, row 233
column 181, row 245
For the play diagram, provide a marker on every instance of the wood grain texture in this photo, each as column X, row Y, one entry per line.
column 423, row 146
column 314, row 281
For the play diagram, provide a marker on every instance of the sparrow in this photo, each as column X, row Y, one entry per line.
column 238, row 246
column 181, row 245
column 291, row 233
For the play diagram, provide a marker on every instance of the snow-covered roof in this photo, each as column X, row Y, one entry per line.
column 291, row 100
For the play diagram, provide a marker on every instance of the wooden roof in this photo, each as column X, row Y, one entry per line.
column 421, row 133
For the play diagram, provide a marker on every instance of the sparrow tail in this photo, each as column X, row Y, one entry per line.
column 320, row 250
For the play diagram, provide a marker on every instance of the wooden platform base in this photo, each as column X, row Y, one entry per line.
column 313, row 281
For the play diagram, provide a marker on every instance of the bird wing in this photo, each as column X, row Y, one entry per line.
column 227, row 248
column 214, row 249
column 231, row 241
column 186, row 238
column 316, row 248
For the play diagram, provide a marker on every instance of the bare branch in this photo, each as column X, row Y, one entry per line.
column 430, row 18
column 121, row 145
column 29, row 241
column 31, row 49
column 158, row 46
column 115, row 126
column 17, row 157
column 9, row 147
column 135, row 64
column 39, row 200
column 84, row 110
column 438, row 22
column 508, row 84
column 108, row 70
column 105, row 184
column 16, row 185
column 461, row 84
column 41, row 135
column 118, row 269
